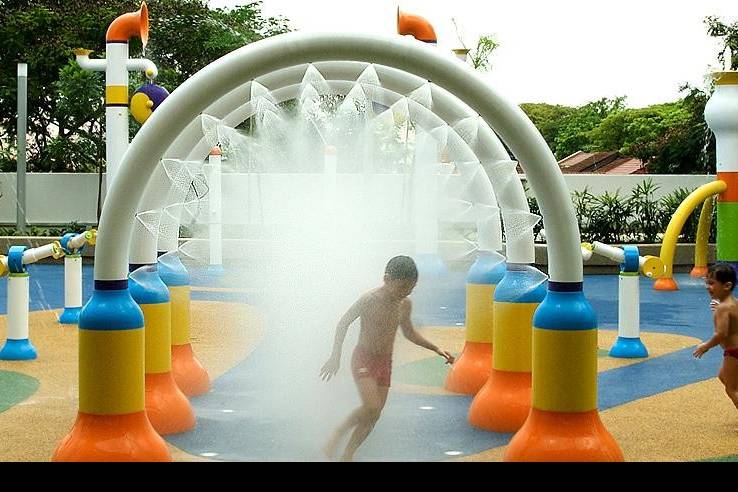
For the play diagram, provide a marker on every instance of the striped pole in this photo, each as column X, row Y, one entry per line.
column 722, row 118
column 116, row 105
column 188, row 373
column 166, row 406
column 564, row 423
column 111, row 423
column 472, row 369
column 503, row 403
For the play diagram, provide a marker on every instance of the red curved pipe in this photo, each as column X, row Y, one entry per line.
column 129, row 25
column 416, row 26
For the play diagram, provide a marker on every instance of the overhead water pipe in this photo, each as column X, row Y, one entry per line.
column 116, row 66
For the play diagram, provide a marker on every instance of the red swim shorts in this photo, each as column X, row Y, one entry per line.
column 367, row 365
column 731, row 353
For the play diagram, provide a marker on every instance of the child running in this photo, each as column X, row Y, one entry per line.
column 380, row 311
column 720, row 282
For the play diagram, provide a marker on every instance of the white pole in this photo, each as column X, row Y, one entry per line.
column 629, row 344
column 18, row 346
column 72, row 290
column 21, row 151
column 18, row 306
column 116, row 107
column 216, row 209
column 629, row 306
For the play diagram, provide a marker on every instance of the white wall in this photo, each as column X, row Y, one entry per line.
column 51, row 198
column 597, row 184
column 60, row 198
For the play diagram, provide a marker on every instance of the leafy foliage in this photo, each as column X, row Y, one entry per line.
column 639, row 217
column 729, row 34
column 479, row 56
column 65, row 103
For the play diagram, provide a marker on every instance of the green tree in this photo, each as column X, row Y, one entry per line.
column 548, row 118
column 65, row 115
column 729, row 35
column 575, row 131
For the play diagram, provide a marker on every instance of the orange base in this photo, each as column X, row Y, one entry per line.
column 189, row 374
column 560, row 436
column 127, row 437
column 699, row 271
column 471, row 371
column 665, row 284
column 166, row 406
column 503, row 404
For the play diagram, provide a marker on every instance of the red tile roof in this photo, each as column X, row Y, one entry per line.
column 601, row 163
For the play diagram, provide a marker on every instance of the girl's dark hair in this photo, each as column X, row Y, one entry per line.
column 401, row 268
column 723, row 273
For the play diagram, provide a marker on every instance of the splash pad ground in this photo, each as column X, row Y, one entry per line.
column 668, row 407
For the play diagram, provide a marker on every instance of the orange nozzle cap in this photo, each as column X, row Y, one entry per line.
column 191, row 378
column 129, row 25
column 665, row 284
column 471, row 371
column 128, row 437
column 166, row 406
column 416, row 26
column 503, row 403
column 559, row 436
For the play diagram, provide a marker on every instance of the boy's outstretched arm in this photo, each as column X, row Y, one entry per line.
column 722, row 328
column 330, row 368
column 412, row 334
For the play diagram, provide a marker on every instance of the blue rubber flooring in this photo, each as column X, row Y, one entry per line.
column 236, row 424
column 250, row 416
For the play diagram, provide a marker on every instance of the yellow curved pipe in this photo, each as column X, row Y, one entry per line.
column 129, row 25
column 669, row 242
column 416, row 26
column 703, row 237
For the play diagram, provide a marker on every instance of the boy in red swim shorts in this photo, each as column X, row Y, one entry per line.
column 720, row 283
column 380, row 311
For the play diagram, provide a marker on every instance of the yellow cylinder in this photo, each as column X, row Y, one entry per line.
column 479, row 312
column 111, row 389
column 512, row 336
column 565, row 370
column 157, row 319
column 180, row 301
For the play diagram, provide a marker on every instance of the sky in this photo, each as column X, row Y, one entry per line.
column 558, row 51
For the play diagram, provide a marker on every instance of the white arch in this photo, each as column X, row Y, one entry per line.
column 272, row 54
column 479, row 190
column 236, row 106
